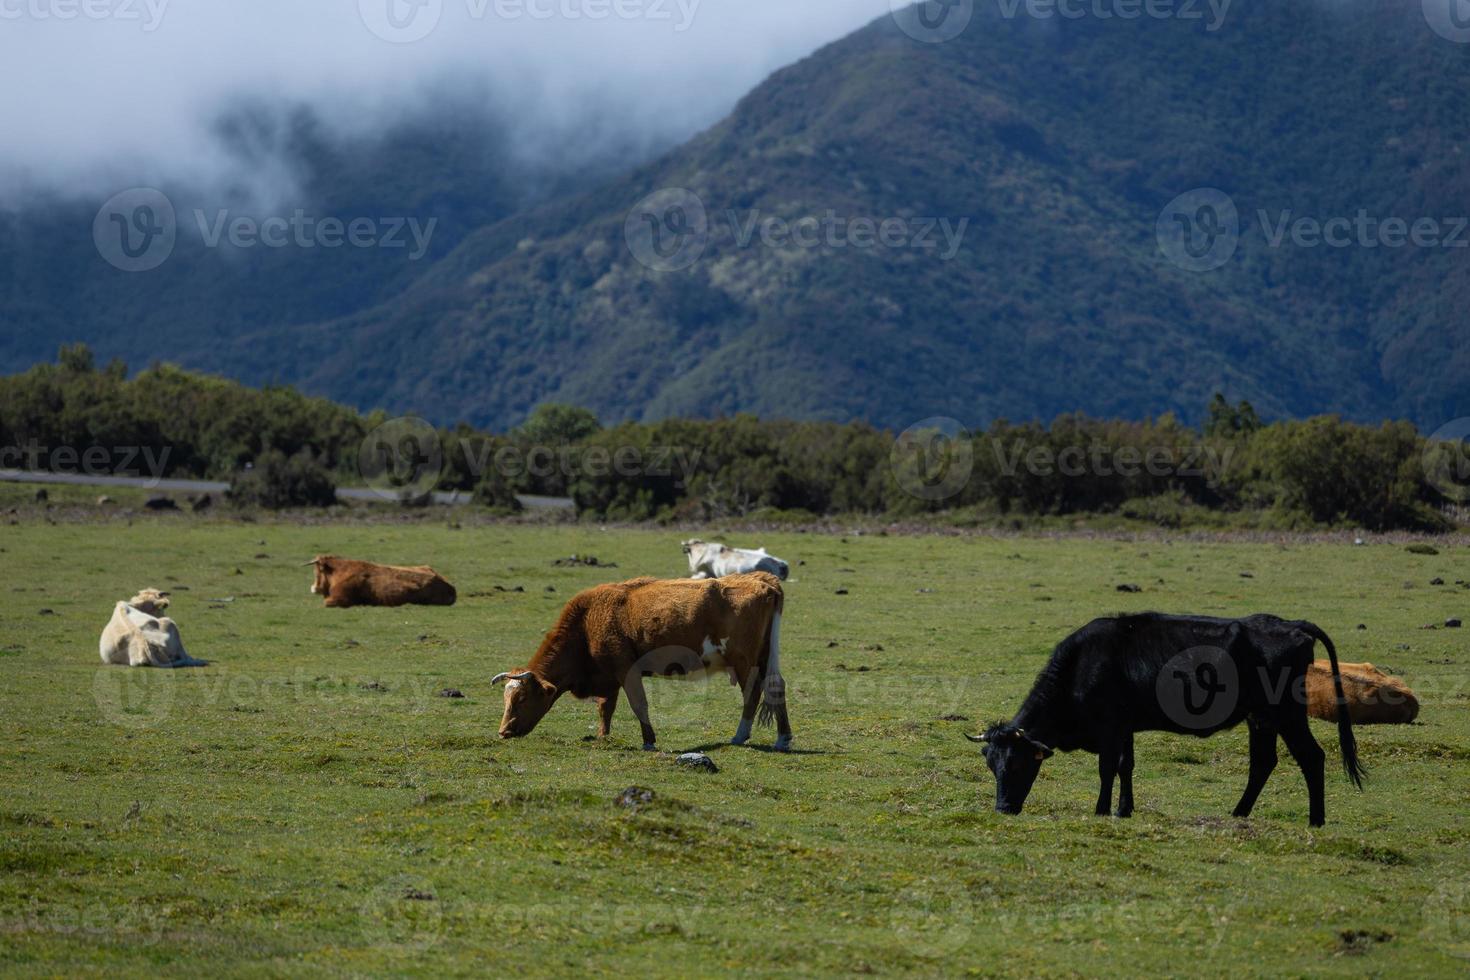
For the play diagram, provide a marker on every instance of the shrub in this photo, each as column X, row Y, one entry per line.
column 277, row 481
column 496, row 493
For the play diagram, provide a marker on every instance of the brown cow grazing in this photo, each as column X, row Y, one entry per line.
column 1373, row 697
column 346, row 582
column 610, row 637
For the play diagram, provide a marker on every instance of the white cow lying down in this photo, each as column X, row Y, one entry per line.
column 709, row 560
column 139, row 636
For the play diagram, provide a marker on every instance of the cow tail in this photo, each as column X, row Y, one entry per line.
column 773, row 690
column 1345, row 739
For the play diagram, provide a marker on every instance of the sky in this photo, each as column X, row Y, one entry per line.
column 128, row 90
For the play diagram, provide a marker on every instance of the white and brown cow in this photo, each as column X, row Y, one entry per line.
column 608, row 638
column 139, row 635
column 711, row 560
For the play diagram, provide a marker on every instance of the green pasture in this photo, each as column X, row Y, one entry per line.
column 310, row 803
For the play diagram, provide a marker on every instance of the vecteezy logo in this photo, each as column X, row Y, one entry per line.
column 402, row 459
column 1447, row 919
column 135, row 230
column 933, row 459
column 135, row 699
column 933, row 918
column 668, row 230
column 1447, row 460
column 1450, row 19
column 1199, row 688
column 933, row 21
column 684, row 686
column 403, row 911
column 1199, row 230
column 400, row 21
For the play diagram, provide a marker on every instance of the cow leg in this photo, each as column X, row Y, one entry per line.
column 1125, row 778
column 751, row 686
column 1107, row 768
column 605, row 708
column 1263, row 762
column 638, row 701
column 1309, row 755
column 783, row 724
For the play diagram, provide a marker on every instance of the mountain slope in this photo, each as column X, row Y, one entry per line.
column 1056, row 144
column 450, row 172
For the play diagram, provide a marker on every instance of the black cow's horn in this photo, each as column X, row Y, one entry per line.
column 978, row 738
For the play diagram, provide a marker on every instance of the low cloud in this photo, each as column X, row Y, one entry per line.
column 124, row 92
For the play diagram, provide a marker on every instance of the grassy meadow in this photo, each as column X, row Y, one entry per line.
column 309, row 803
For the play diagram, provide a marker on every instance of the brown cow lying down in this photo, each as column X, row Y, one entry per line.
column 610, row 637
column 346, row 582
column 1373, row 697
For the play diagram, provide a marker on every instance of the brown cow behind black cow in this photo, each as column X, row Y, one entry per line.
column 345, row 582
column 1373, row 697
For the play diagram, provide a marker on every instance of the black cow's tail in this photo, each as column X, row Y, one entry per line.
column 1345, row 738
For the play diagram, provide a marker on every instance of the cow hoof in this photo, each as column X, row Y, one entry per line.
column 649, row 747
column 740, row 740
column 783, row 744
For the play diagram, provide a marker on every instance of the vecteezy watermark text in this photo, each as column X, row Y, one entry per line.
column 935, row 459
column 301, row 230
column 147, row 13
column 407, row 21
column 936, row 21
column 942, row 236
column 1100, row 459
column 593, row 461
column 670, row 229
column 1201, row 230
column 1212, row 12
column 129, row 461
column 405, row 457
column 137, row 230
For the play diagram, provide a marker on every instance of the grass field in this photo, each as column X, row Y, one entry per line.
column 308, row 803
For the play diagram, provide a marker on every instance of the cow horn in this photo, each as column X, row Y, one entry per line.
column 312, row 562
column 508, row 676
column 978, row 738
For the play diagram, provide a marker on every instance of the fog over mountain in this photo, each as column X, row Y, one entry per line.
column 124, row 92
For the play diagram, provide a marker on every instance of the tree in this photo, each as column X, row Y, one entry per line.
column 77, row 358
column 1225, row 420
column 558, row 425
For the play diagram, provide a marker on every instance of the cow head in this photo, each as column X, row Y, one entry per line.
column 698, row 552
column 150, row 601
column 322, row 584
column 1015, row 758
column 527, row 699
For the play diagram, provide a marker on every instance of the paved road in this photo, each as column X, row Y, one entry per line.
column 451, row 499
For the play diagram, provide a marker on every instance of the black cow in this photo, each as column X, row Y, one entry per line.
column 1192, row 675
